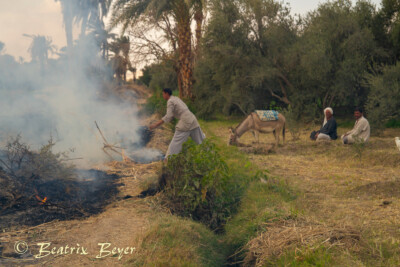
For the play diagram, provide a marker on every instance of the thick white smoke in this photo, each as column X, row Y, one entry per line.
column 62, row 99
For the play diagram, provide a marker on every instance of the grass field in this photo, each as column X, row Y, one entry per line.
column 304, row 204
column 337, row 205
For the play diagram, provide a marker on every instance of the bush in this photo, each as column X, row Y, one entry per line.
column 156, row 103
column 163, row 75
column 198, row 184
column 292, row 122
column 146, row 76
column 393, row 123
column 384, row 98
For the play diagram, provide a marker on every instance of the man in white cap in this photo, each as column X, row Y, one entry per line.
column 328, row 130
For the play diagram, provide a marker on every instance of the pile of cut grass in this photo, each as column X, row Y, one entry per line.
column 174, row 241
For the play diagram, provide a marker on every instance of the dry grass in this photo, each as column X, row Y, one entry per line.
column 336, row 187
column 174, row 241
column 285, row 234
column 335, row 184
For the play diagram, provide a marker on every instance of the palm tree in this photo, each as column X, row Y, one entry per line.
column 199, row 9
column 92, row 12
column 121, row 63
column 40, row 48
column 128, row 12
column 102, row 36
column 68, row 9
column 118, row 64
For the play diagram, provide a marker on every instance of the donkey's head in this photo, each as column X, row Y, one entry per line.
column 232, row 137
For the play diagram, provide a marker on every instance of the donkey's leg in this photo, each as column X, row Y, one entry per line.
column 257, row 136
column 276, row 134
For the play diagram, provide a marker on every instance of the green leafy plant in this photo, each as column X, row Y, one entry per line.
column 197, row 184
column 156, row 104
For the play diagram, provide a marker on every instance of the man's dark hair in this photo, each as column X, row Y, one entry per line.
column 168, row 91
column 359, row 109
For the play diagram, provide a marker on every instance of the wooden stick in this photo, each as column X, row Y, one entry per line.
column 105, row 140
column 70, row 159
column 108, row 146
column 5, row 164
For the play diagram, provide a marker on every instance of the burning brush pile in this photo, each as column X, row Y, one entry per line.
column 40, row 186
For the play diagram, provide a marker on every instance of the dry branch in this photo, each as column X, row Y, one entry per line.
column 113, row 148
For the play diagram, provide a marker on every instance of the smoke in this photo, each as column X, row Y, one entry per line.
column 62, row 98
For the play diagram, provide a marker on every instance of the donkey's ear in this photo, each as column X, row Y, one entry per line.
column 230, row 130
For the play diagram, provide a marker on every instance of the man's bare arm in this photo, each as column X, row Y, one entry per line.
column 155, row 125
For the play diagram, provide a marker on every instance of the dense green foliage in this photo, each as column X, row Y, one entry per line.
column 200, row 185
column 312, row 63
column 255, row 53
column 384, row 98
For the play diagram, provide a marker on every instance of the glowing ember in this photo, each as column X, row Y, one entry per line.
column 42, row 201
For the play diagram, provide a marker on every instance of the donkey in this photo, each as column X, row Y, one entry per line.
column 254, row 124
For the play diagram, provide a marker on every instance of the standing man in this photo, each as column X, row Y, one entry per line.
column 187, row 125
column 360, row 130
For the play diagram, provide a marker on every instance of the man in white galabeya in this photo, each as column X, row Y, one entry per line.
column 361, row 129
column 187, row 125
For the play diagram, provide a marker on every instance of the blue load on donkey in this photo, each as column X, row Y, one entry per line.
column 267, row 115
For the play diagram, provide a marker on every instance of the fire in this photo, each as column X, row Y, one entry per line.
column 42, row 201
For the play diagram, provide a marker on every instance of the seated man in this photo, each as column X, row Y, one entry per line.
column 328, row 129
column 360, row 131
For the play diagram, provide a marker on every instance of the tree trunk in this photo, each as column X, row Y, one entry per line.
column 185, row 51
column 68, row 17
column 83, row 26
column 198, row 16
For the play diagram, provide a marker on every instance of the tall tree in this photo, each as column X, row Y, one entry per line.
column 68, row 9
column 129, row 12
column 40, row 48
column 121, row 63
column 243, row 62
column 199, row 9
column 91, row 12
column 102, row 36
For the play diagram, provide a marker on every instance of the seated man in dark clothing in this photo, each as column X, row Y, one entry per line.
column 328, row 130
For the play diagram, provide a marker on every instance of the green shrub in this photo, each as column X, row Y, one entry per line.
column 384, row 98
column 163, row 75
column 198, row 184
column 146, row 76
column 156, row 104
column 393, row 123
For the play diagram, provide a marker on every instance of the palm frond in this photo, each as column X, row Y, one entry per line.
column 126, row 12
